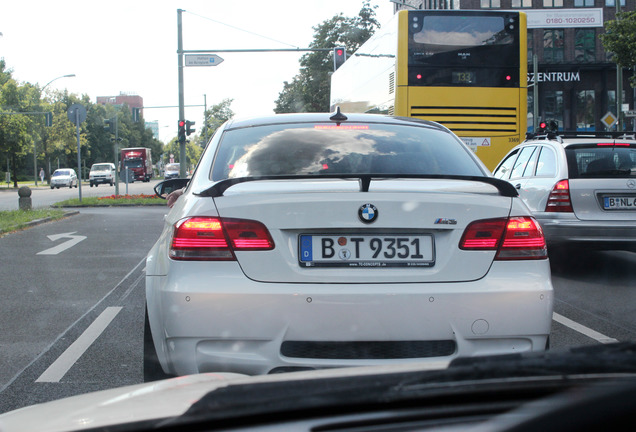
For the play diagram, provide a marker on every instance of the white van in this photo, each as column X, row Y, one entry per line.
column 102, row 173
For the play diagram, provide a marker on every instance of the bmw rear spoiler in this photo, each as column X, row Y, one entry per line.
column 505, row 189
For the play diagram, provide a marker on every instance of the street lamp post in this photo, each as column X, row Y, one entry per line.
column 54, row 79
column 35, row 154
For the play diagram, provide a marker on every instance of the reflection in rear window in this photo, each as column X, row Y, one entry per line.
column 601, row 161
column 315, row 149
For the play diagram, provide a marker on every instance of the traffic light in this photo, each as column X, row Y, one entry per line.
column 549, row 126
column 189, row 128
column 339, row 57
column 48, row 119
column 109, row 125
column 182, row 131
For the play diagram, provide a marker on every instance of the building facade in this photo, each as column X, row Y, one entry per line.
column 135, row 102
column 575, row 78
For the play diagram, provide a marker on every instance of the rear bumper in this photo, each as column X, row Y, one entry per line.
column 230, row 323
column 595, row 234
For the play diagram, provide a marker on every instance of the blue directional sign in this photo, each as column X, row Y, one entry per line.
column 202, row 60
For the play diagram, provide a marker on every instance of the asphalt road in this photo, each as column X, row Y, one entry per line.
column 50, row 299
column 44, row 196
column 71, row 317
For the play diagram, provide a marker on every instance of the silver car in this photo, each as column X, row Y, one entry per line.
column 172, row 171
column 308, row 241
column 64, row 177
column 580, row 187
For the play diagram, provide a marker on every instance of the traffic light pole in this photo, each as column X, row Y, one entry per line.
column 182, row 144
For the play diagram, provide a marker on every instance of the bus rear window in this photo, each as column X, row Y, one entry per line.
column 443, row 33
column 469, row 40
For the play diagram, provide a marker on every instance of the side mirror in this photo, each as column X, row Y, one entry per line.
column 165, row 187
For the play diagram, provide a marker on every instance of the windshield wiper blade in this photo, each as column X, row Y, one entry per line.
column 218, row 189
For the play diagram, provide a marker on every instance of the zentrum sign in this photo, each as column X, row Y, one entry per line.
column 554, row 77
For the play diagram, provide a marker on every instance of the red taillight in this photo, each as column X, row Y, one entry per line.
column 514, row 238
column 216, row 239
column 559, row 198
column 523, row 240
column 483, row 235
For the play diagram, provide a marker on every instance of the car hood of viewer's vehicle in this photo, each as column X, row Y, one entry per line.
column 157, row 400
column 233, row 397
column 116, row 406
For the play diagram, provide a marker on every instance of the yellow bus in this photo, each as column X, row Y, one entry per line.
column 465, row 69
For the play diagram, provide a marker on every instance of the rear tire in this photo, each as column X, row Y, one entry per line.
column 152, row 368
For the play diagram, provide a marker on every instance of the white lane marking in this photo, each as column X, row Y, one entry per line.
column 61, row 366
column 74, row 239
column 61, row 335
column 582, row 329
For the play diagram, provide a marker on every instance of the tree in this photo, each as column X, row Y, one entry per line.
column 213, row 119
column 620, row 40
column 62, row 135
column 193, row 152
column 309, row 90
column 16, row 130
column 23, row 130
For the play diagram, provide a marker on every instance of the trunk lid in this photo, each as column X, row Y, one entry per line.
column 409, row 214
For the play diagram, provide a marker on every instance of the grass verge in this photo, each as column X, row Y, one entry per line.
column 13, row 220
column 113, row 200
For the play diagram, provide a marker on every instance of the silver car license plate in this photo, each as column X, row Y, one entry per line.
column 619, row 203
column 366, row 250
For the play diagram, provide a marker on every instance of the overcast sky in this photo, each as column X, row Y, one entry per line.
column 130, row 46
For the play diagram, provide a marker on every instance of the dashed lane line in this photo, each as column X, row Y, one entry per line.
column 64, row 362
column 582, row 329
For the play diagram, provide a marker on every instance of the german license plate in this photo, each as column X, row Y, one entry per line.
column 377, row 250
column 619, row 203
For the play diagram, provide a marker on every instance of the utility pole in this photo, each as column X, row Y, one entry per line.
column 182, row 144
column 619, row 82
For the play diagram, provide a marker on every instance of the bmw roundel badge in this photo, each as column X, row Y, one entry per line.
column 368, row 213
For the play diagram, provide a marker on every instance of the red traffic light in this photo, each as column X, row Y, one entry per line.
column 181, row 123
column 339, row 57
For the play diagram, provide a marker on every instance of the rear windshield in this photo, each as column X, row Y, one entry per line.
column 601, row 160
column 315, row 149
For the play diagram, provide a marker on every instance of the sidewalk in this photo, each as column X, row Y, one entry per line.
column 4, row 188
